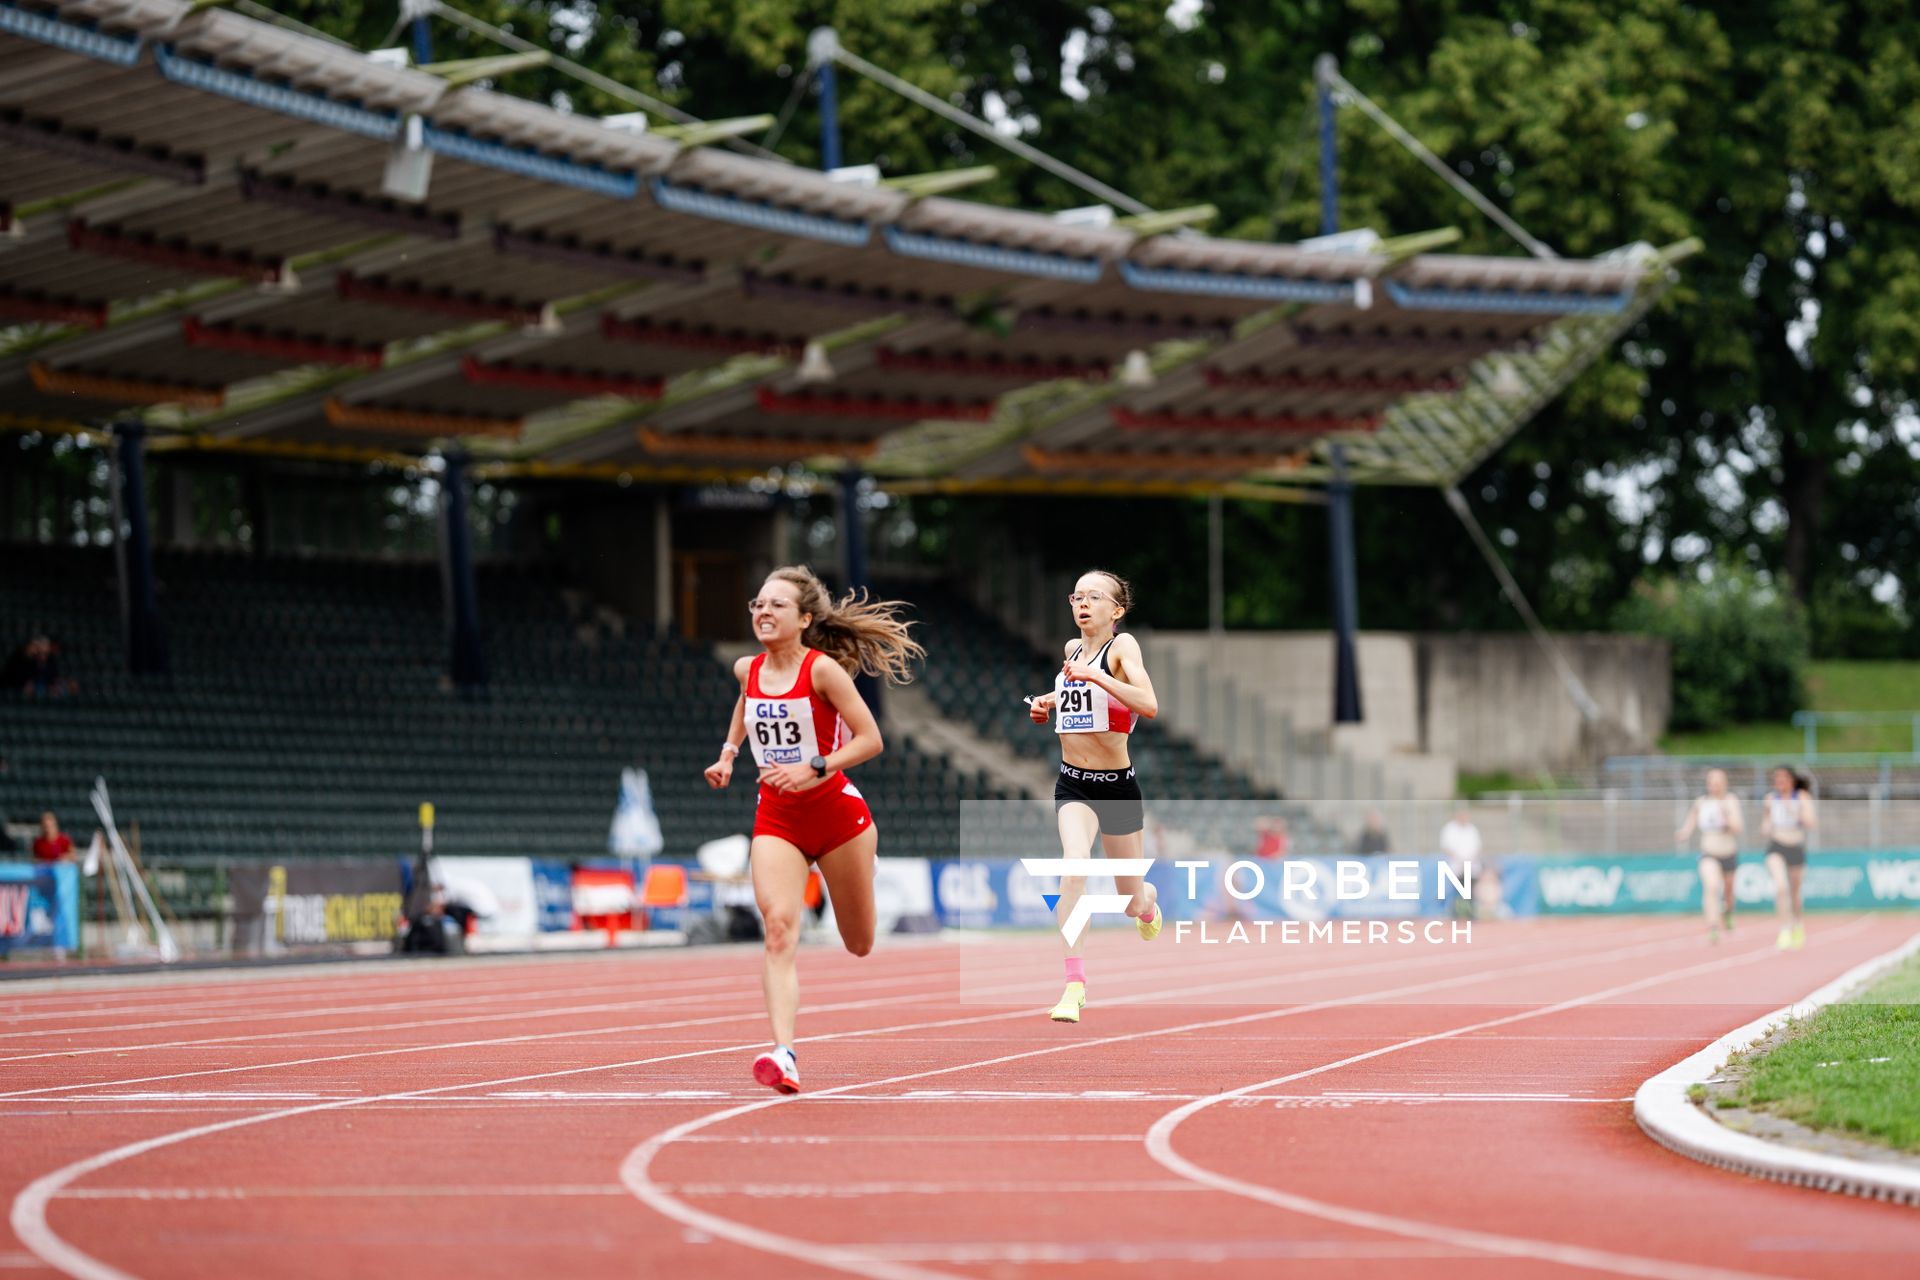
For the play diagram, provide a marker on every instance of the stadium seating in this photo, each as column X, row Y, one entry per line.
column 977, row 672
column 306, row 714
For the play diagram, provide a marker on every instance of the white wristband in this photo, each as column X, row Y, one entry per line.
column 729, row 749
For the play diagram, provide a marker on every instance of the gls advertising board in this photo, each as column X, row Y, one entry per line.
column 986, row 893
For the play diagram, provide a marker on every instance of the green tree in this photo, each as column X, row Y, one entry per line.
column 1765, row 411
column 1739, row 645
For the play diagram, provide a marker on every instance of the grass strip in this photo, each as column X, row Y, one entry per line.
column 1852, row 1068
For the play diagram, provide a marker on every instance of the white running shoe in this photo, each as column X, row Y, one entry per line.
column 778, row 1070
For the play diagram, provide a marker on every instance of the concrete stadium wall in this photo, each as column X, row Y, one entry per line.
column 1496, row 702
column 1488, row 701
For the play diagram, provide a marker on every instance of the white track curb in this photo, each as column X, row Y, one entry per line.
column 1663, row 1110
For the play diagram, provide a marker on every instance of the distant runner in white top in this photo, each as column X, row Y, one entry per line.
column 1717, row 817
column 1785, row 824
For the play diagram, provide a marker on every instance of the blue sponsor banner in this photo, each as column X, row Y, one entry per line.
column 1842, row 880
column 987, row 893
column 553, row 895
column 39, row 905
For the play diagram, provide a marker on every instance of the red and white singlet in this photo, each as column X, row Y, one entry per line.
column 793, row 728
column 1080, row 706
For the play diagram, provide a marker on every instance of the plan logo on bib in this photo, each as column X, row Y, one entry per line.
column 1090, row 904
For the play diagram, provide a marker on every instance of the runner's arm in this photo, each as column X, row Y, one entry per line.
column 838, row 687
column 1135, row 692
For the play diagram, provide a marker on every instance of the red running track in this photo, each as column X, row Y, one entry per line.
column 1368, row 1111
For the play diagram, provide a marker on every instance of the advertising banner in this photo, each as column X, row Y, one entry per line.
column 987, row 893
column 553, row 894
column 701, row 893
column 39, row 905
column 902, row 890
column 1843, row 880
column 995, row 893
column 499, row 891
column 313, row 903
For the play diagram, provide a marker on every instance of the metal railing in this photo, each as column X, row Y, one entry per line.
column 1613, row 820
column 1849, row 774
column 1810, row 723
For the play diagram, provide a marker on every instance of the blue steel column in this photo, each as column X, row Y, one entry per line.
column 468, row 662
column 829, row 117
column 1323, row 69
column 422, row 43
column 1346, row 607
column 139, row 602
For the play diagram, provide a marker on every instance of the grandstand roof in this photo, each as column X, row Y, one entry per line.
column 193, row 228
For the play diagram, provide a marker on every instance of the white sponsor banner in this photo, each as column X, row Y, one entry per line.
column 499, row 890
column 901, row 887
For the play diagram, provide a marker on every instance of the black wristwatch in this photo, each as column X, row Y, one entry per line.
column 819, row 764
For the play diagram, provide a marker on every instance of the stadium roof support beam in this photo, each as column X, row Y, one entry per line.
column 462, row 71
column 922, row 185
column 1153, row 224
column 711, row 131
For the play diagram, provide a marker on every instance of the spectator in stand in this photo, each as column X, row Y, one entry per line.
column 34, row 669
column 1270, row 837
column 53, row 844
column 1461, row 846
column 1373, row 836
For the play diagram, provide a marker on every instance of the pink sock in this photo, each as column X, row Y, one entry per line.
column 1076, row 970
column 1146, row 917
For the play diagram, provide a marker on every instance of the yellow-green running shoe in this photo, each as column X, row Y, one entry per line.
column 1150, row 929
column 1072, row 1001
column 1799, row 936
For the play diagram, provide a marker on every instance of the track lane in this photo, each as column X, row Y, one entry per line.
column 936, row 1173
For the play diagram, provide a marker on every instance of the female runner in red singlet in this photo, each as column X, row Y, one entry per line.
column 1100, row 693
column 806, row 724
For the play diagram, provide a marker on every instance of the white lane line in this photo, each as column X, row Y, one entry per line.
column 746, row 989
column 28, row 1216
column 749, row 1190
column 739, row 984
column 342, row 1193
column 210, row 1095
column 421, row 978
column 1159, row 1144
column 868, row 1190
column 1263, row 978
column 752, row 1013
column 635, row 1169
column 1078, row 1253
column 485, row 969
column 1350, row 1099
column 915, row 1139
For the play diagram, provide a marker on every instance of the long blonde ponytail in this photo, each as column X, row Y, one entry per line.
column 863, row 635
